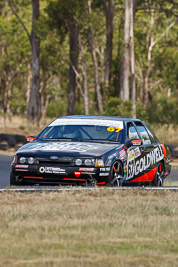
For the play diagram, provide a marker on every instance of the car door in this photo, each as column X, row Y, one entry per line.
column 151, row 153
column 135, row 154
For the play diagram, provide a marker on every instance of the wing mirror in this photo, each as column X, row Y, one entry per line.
column 30, row 138
column 134, row 142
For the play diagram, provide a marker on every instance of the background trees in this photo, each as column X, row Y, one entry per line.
column 78, row 56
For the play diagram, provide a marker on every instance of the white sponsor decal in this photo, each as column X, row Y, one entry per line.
column 111, row 123
column 51, row 170
column 134, row 167
column 137, row 152
column 64, row 146
column 104, row 169
column 104, row 174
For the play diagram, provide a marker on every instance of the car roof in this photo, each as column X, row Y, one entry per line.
column 98, row 118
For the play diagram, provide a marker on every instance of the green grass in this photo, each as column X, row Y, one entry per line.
column 91, row 228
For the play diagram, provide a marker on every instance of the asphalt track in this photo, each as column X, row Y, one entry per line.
column 5, row 161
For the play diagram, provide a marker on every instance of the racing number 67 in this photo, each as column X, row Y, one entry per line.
column 113, row 129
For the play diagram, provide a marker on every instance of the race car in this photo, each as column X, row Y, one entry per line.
column 92, row 151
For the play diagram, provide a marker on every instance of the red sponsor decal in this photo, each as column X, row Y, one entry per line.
column 86, row 169
column 21, row 166
column 77, row 174
column 146, row 177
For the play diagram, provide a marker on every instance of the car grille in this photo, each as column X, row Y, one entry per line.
column 57, row 162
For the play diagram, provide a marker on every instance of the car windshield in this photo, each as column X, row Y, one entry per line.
column 84, row 131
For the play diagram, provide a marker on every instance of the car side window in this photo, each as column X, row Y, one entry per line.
column 152, row 137
column 143, row 133
column 131, row 131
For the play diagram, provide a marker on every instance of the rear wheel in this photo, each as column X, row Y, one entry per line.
column 116, row 174
column 158, row 179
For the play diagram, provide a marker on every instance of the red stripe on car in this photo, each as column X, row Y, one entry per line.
column 32, row 177
column 101, row 183
column 146, row 177
column 164, row 150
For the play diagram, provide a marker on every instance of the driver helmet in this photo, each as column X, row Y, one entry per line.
column 71, row 132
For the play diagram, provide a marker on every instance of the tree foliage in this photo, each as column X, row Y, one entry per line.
column 156, row 57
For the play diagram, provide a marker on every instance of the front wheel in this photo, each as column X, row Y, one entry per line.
column 158, row 179
column 116, row 174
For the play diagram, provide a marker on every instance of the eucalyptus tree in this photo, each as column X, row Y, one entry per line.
column 34, row 104
column 14, row 58
column 108, row 6
column 65, row 16
column 158, row 24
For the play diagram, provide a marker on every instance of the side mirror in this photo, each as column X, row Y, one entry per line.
column 134, row 142
column 30, row 138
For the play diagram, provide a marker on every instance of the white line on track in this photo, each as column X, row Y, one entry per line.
column 59, row 189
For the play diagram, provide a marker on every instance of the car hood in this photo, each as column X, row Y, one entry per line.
column 71, row 149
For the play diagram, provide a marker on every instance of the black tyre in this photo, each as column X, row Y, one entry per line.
column 11, row 141
column 4, row 146
column 13, row 180
column 116, row 174
column 158, row 179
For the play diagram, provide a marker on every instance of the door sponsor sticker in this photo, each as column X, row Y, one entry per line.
column 52, row 170
column 136, row 166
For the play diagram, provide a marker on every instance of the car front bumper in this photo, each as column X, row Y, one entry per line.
column 38, row 174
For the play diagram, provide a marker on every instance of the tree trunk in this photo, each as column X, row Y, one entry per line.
column 93, row 52
column 132, row 60
column 124, row 90
column 85, row 89
column 84, row 79
column 109, row 12
column 34, row 105
column 74, row 55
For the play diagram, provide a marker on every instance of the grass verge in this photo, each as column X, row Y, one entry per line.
column 89, row 228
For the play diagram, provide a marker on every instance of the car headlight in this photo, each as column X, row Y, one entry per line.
column 31, row 160
column 88, row 162
column 78, row 162
column 28, row 160
column 99, row 163
column 22, row 160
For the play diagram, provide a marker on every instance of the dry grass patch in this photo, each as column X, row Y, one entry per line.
column 89, row 228
column 18, row 125
column 166, row 134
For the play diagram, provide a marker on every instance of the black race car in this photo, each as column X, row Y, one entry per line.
column 92, row 150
